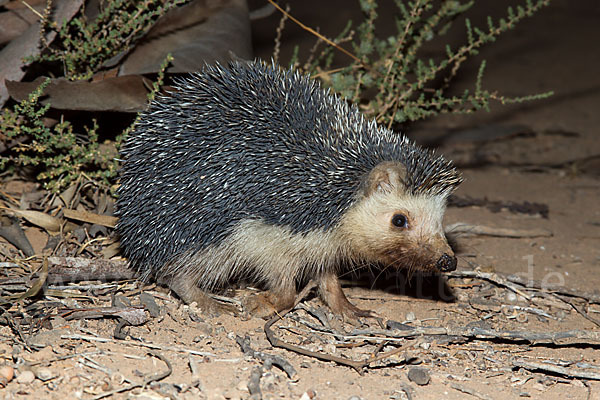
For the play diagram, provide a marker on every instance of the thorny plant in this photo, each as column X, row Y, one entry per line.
column 58, row 153
column 84, row 45
column 407, row 86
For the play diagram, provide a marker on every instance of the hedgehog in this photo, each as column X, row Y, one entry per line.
column 250, row 172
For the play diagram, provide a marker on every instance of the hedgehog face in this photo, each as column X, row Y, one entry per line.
column 390, row 226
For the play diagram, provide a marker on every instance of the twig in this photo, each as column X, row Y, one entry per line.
column 555, row 369
column 453, row 333
column 532, row 284
column 134, row 315
column 580, row 310
column 492, row 277
column 356, row 365
column 147, row 379
column 470, row 391
column 138, row 344
column 276, row 342
column 14, row 324
column 73, row 269
column 254, row 383
column 278, row 35
column 546, row 337
column 482, row 230
column 317, row 34
column 509, row 281
column 531, row 310
column 267, row 359
column 33, row 10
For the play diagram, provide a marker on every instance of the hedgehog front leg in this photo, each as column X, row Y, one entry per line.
column 332, row 294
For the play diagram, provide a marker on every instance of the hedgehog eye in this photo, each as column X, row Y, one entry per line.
column 400, row 221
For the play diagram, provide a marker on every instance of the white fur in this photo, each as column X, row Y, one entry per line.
column 267, row 254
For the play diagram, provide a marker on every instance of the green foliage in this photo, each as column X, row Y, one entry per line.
column 83, row 46
column 394, row 84
column 156, row 85
column 58, row 154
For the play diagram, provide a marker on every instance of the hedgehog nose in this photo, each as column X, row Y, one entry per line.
column 446, row 263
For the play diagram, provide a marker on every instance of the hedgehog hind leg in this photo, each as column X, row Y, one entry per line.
column 268, row 303
column 280, row 296
column 189, row 292
column 332, row 294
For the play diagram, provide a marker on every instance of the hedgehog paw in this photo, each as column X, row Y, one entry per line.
column 266, row 304
column 209, row 306
column 193, row 294
column 333, row 295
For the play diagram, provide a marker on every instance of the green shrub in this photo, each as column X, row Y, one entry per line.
column 406, row 86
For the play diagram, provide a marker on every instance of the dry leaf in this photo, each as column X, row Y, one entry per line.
column 86, row 216
column 198, row 33
column 18, row 18
column 123, row 94
column 27, row 44
column 10, row 230
column 38, row 218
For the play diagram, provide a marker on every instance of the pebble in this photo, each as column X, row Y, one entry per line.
column 420, row 376
column 7, row 373
column 26, row 377
column 150, row 304
column 44, row 374
column 308, row 395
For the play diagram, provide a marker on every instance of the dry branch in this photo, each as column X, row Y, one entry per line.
column 555, row 369
column 481, row 230
column 267, row 359
column 73, row 269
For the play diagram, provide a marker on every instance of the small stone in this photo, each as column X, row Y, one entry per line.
column 147, row 300
column 410, row 316
column 330, row 348
column 420, row 376
column 26, row 377
column 121, row 301
column 117, row 378
column 268, row 381
column 44, row 374
column 354, row 398
column 7, row 373
column 308, row 395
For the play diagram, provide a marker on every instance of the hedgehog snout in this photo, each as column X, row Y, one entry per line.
column 446, row 263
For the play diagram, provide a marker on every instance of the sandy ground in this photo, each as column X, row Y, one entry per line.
column 545, row 152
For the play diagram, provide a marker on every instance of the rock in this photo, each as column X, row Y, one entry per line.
column 420, row 376
column 7, row 373
column 44, row 374
column 26, row 377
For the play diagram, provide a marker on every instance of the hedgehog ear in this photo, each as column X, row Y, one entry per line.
column 385, row 178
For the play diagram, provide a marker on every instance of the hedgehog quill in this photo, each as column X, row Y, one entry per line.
column 251, row 172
